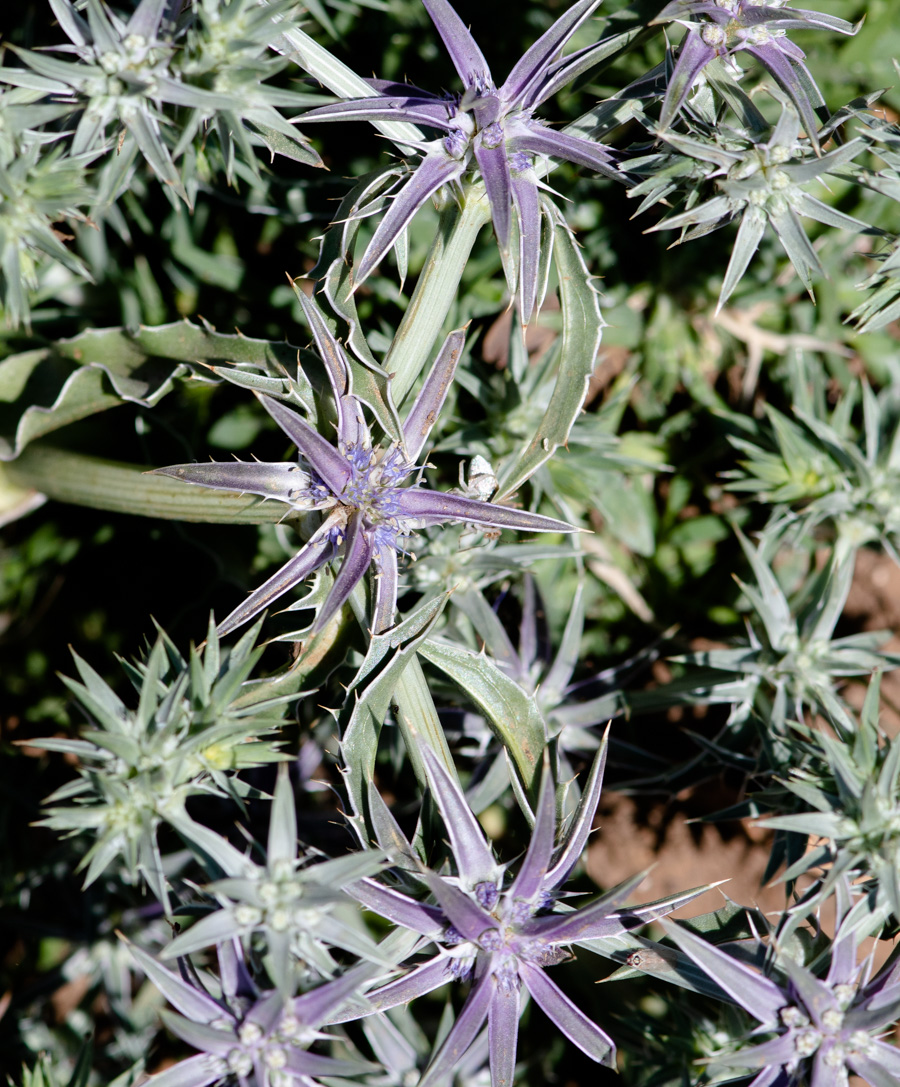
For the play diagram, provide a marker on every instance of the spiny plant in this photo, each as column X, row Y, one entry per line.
column 349, row 847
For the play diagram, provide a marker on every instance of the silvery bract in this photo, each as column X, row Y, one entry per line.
column 122, row 72
column 763, row 183
column 292, row 902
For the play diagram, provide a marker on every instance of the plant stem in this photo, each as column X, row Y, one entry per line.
column 127, row 488
column 418, row 721
column 435, row 290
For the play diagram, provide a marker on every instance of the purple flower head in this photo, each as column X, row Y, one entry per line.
column 721, row 28
column 490, row 132
column 245, row 1036
column 823, row 1028
column 501, row 936
column 359, row 488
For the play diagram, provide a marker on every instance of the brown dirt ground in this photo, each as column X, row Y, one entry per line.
column 631, row 837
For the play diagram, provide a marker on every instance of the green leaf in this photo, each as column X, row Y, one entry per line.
column 513, row 715
column 582, row 328
column 52, row 387
column 389, row 656
column 337, row 77
column 128, row 488
column 436, row 290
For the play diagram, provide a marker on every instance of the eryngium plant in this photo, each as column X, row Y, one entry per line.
column 851, row 797
column 286, row 909
column 361, row 489
column 725, row 28
column 822, row 1028
column 245, row 1034
column 762, row 183
column 38, row 187
column 125, row 72
column 820, row 470
column 192, row 724
column 502, row 939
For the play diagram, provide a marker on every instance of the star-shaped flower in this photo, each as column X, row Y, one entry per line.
column 501, row 938
column 248, row 1036
column 825, row 1028
column 362, row 489
column 490, row 131
column 292, row 901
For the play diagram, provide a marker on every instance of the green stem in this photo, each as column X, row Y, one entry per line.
column 435, row 291
column 126, row 488
column 418, row 721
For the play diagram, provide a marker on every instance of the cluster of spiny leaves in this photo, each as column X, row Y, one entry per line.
column 77, row 119
column 389, row 904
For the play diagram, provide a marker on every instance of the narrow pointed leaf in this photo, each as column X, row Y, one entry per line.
column 567, row 927
column 424, row 979
column 494, row 165
column 544, row 141
column 147, row 17
column 215, row 928
column 336, row 365
column 535, row 61
column 430, row 111
column 328, row 463
column 760, row 996
column 531, row 877
column 385, row 557
column 357, row 547
column 503, row 1032
column 463, row 912
column 473, row 855
column 284, row 481
column 528, row 214
column 693, row 57
column 788, row 77
column 427, row 407
column 438, row 507
column 187, row 999
column 397, row 907
column 580, row 828
column 282, row 841
column 462, row 1033
column 749, row 235
column 577, row 352
column 313, row 1008
column 199, row 1071
column 432, row 172
column 512, row 714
